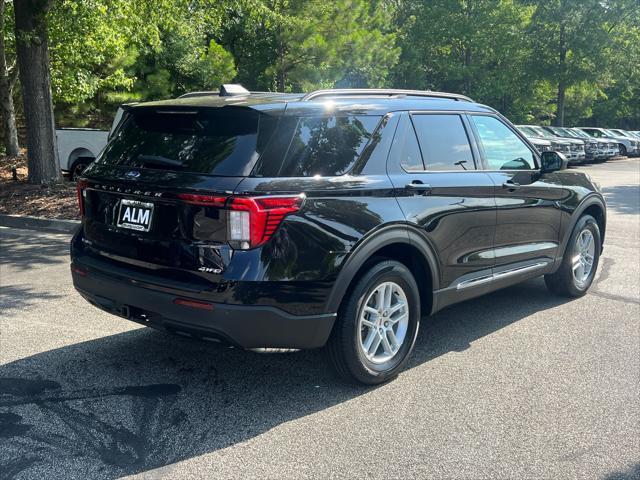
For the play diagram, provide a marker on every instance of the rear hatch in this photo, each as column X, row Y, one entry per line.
column 154, row 198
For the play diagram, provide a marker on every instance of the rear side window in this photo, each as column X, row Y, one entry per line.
column 503, row 149
column 444, row 142
column 309, row 146
column 224, row 142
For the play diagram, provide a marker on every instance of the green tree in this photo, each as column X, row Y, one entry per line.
column 476, row 47
column 573, row 41
column 288, row 45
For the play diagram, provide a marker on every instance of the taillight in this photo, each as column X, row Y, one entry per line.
column 203, row 200
column 253, row 220
column 80, row 191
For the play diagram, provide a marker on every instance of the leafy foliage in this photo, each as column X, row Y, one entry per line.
column 563, row 61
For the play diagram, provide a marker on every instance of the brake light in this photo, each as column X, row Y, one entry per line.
column 253, row 220
column 80, row 191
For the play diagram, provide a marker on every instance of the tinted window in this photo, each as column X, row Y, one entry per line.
column 410, row 156
column 324, row 146
column 209, row 142
column 444, row 142
column 503, row 149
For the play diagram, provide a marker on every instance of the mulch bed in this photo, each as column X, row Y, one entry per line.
column 17, row 197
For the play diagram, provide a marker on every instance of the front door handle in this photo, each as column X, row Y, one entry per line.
column 418, row 188
column 511, row 185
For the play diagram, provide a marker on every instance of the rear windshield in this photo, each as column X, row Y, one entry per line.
column 224, row 142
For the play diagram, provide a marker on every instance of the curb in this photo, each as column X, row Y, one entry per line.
column 41, row 224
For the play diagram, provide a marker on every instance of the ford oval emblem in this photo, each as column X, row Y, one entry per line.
column 132, row 174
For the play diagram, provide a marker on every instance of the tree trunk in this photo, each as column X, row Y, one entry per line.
column 560, row 105
column 467, row 52
column 562, row 86
column 7, row 81
column 33, row 62
column 281, row 80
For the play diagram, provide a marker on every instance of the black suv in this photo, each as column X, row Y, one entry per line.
column 335, row 218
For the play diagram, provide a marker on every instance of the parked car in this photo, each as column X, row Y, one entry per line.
column 590, row 146
column 572, row 148
column 557, row 144
column 605, row 149
column 635, row 144
column 541, row 144
column 78, row 147
column 626, row 146
column 337, row 218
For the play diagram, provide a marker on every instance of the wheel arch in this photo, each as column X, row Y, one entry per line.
column 595, row 206
column 392, row 243
column 78, row 153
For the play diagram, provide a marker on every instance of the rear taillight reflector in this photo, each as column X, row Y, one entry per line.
column 81, row 185
column 79, row 271
column 185, row 302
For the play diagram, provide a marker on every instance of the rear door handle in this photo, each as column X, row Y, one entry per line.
column 418, row 188
column 511, row 185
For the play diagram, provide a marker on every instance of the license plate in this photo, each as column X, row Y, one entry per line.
column 135, row 215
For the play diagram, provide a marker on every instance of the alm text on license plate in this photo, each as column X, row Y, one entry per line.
column 135, row 215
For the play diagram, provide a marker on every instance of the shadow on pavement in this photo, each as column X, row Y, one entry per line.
column 28, row 250
column 633, row 473
column 18, row 297
column 139, row 400
column 623, row 199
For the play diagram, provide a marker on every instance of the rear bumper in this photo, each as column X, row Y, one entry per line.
column 244, row 326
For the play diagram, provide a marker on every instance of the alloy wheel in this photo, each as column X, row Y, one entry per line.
column 583, row 260
column 383, row 322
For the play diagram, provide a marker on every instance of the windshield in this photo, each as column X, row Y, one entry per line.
column 569, row 133
column 541, row 132
column 557, row 131
column 579, row 133
column 528, row 132
column 622, row 133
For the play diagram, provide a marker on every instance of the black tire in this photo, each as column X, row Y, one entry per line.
column 563, row 281
column 343, row 348
column 78, row 168
column 623, row 150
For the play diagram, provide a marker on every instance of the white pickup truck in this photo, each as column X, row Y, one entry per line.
column 78, row 147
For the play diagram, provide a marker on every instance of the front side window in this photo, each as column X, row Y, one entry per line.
column 444, row 142
column 503, row 149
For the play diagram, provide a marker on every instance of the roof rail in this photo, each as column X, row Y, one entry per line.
column 387, row 92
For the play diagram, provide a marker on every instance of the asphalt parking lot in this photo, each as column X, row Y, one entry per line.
column 517, row 384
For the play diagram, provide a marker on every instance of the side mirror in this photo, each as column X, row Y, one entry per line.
column 553, row 161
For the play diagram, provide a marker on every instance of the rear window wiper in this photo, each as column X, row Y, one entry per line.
column 159, row 160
